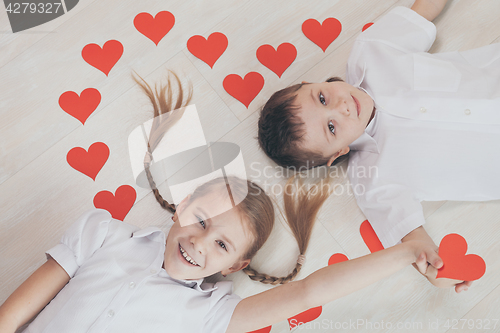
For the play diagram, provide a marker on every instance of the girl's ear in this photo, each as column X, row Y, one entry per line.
column 236, row 267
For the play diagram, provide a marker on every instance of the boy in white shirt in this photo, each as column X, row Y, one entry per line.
column 417, row 124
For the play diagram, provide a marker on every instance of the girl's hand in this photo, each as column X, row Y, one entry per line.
column 460, row 285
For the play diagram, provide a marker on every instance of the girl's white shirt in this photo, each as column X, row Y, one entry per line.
column 436, row 131
column 118, row 284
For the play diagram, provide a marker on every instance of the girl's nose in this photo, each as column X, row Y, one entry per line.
column 198, row 244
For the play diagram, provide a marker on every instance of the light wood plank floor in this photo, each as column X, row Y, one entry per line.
column 41, row 195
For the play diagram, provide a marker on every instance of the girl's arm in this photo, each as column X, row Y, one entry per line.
column 429, row 9
column 322, row 286
column 32, row 296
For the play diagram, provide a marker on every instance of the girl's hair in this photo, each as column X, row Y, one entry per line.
column 281, row 131
column 256, row 207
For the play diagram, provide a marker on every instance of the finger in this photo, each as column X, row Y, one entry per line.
column 468, row 283
column 434, row 259
column 421, row 263
column 431, row 272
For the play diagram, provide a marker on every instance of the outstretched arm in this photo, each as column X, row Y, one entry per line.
column 429, row 9
column 322, row 286
column 31, row 296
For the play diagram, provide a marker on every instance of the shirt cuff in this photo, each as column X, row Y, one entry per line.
column 402, row 229
column 65, row 257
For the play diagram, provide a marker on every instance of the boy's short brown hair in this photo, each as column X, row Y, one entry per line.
column 281, row 131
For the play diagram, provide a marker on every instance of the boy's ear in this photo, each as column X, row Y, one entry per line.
column 341, row 152
column 304, row 82
column 236, row 267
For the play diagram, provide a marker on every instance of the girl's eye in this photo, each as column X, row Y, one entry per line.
column 222, row 245
column 201, row 222
column 331, row 127
column 322, row 99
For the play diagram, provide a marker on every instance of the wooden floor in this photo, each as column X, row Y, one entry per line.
column 41, row 195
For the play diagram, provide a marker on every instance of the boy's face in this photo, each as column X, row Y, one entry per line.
column 334, row 115
column 216, row 244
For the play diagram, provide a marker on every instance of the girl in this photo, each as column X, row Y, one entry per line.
column 108, row 276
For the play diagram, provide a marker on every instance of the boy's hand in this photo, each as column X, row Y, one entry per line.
column 429, row 262
column 429, row 9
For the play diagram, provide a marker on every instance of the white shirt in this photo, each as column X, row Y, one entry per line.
column 436, row 132
column 118, row 285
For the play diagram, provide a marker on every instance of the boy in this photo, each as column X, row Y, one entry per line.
column 416, row 117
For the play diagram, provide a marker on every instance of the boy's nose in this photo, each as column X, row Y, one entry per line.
column 342, row 108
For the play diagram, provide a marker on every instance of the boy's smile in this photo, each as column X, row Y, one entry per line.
column 206, row 244
column 334, row 115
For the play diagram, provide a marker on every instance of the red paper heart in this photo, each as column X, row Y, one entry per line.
column 370, row 237
column 80, row 107
column 91, row 162
column 117, row 205
column 208, row 50
column 322, row 34
column 277, row 60
column 305, row 317
column 103, row 59
column 456, row 264
column 154, row 28
column 262, row 330
column 336, row 258
column 366, row 26
column 244, row 90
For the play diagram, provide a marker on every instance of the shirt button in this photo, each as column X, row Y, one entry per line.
column 423, row 110
column 467, row 111
column 131, row 285
column 111, row 313
column 153, row 271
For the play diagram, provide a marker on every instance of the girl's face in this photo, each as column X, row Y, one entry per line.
column 204, row 245
column 334, row 115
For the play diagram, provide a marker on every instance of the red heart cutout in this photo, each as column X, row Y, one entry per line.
column 370, row 237
column 366, row 26
column 457, row 265
column 208, row 50
column 91, row 162
column 305, row 317
column 154, row 28
column 277, row 60
column 262, row 330
column 117, row 205
column 80, row 107
column 103, row 59
column 322, row 34
column 244, row 90
column 336, row 258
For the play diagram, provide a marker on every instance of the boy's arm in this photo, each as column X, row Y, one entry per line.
column 321, row 287
column 431, row 271
column 32, row 296
column 429, row 9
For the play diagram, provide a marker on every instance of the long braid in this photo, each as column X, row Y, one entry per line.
column 161, row 108
column 301, row 210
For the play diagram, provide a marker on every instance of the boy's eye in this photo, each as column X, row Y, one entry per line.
column 222, row 245
column 322, row 99
column 331, row 127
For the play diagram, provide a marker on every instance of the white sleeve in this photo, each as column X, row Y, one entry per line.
column 402, row 29
column 81, row 240
column 223, row 303
column 392, row 210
